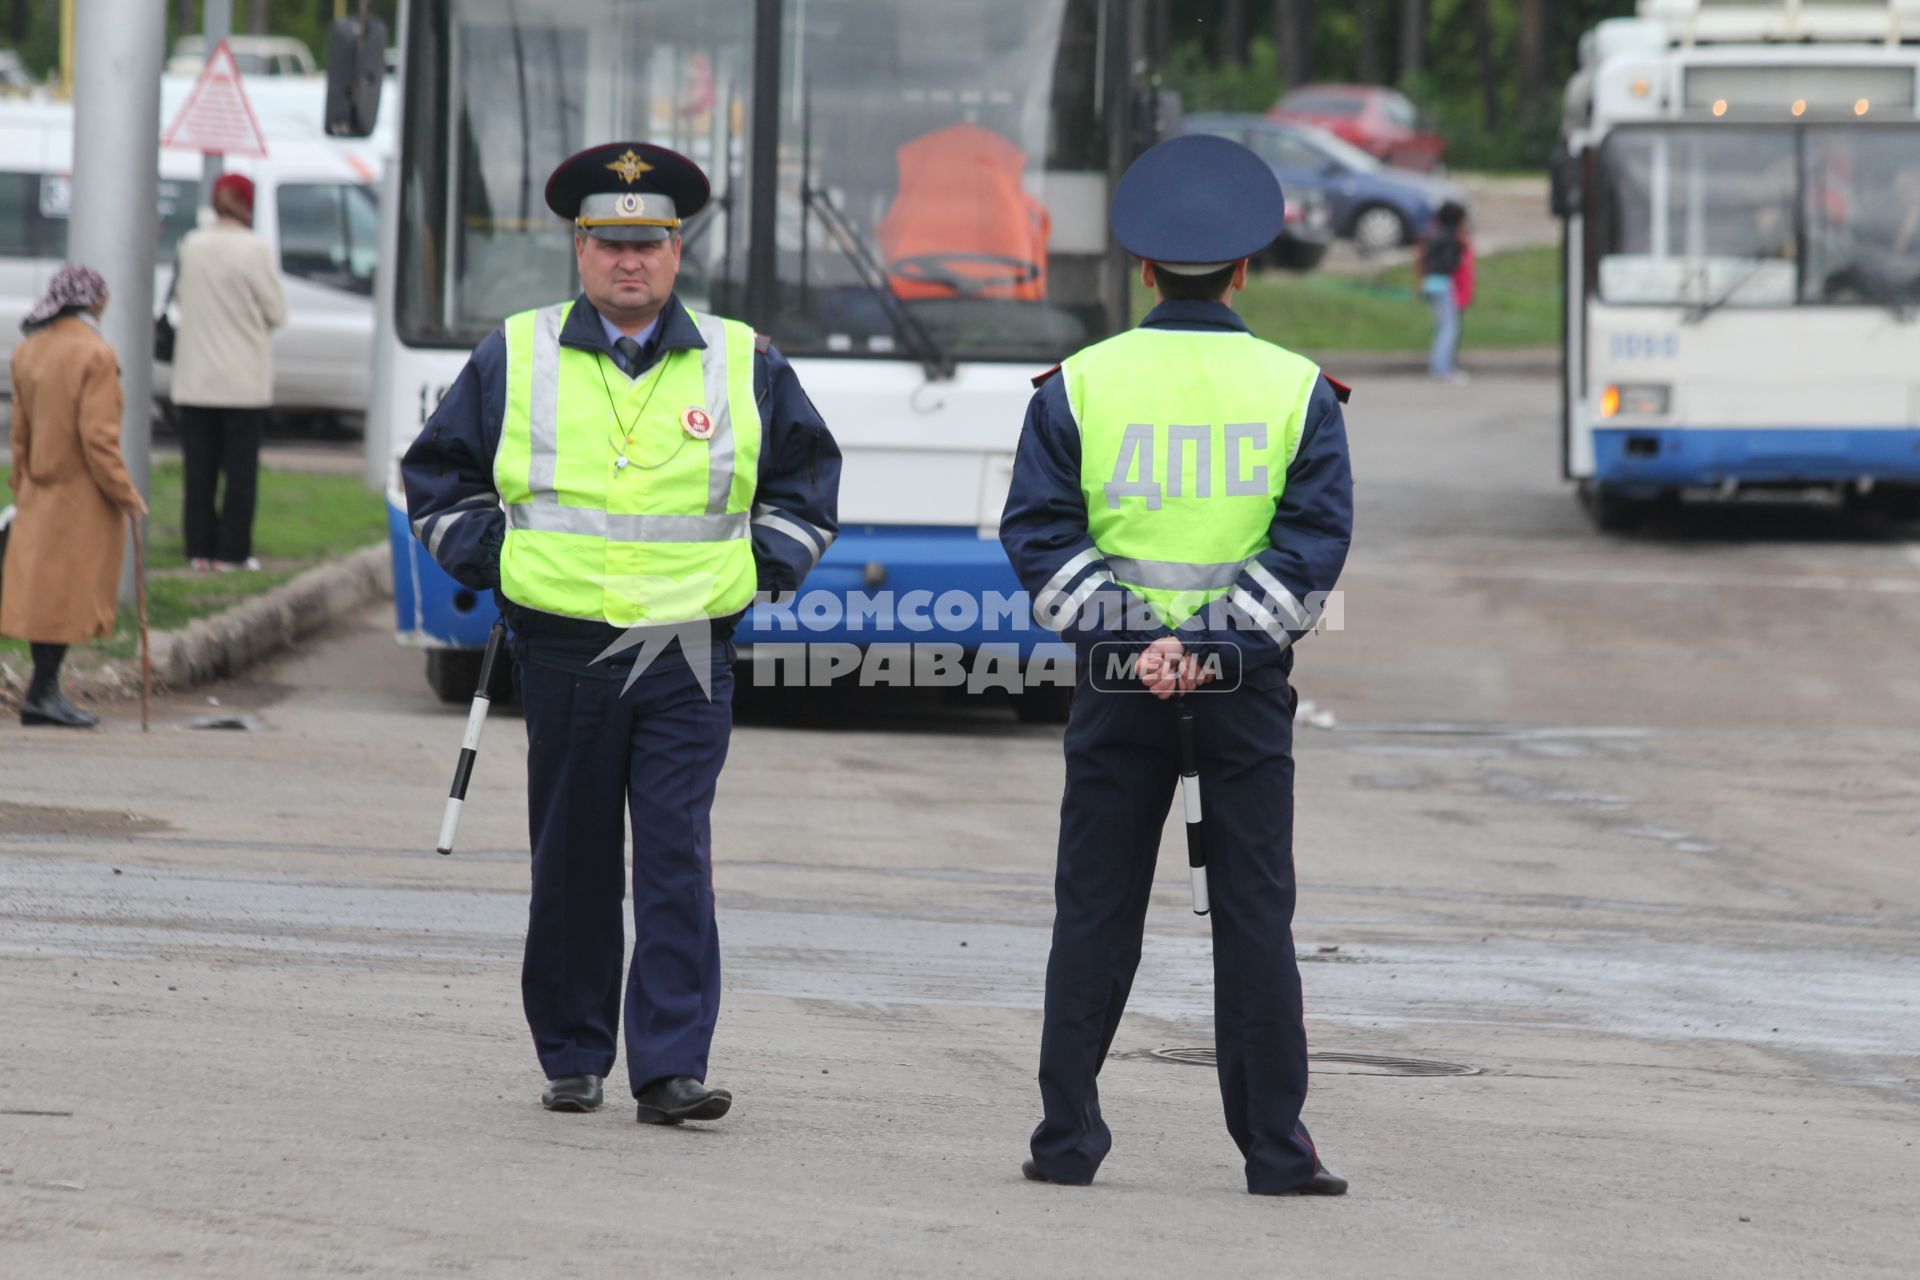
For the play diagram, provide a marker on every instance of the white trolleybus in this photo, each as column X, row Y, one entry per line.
column 910, row 198
column 1741, row 191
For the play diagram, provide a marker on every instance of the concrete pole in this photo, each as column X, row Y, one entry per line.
column 116, row 178
column 219, row 27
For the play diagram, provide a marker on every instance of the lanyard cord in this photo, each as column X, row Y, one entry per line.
column 620, row 439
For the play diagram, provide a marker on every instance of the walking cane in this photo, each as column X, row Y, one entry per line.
column 470, row 745
column 146, row 650
column 1190, row 792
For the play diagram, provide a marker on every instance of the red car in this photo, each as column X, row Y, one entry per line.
column 1381, row 121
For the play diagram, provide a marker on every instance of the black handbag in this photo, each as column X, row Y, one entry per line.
column 163, row 334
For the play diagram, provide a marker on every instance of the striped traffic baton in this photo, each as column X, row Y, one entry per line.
column 1190, row 792
column 470, row 745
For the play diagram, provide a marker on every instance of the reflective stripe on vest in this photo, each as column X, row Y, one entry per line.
column 664, row 538
column 1185, row 441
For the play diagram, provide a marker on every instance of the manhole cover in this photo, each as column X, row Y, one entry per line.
column 1337, row 1064
column 228, row 720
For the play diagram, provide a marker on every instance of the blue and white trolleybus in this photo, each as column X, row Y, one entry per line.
column 910, row 199
column 1741, row 191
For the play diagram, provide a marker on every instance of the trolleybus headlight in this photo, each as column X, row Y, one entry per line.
column 1641, row 399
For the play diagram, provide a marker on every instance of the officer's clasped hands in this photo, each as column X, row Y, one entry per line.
column 1166, row 668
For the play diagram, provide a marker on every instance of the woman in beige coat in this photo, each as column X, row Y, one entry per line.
column 71, row 489
column 230, row 303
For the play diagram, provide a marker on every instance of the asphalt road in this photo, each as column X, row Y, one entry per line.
column 1624, row 828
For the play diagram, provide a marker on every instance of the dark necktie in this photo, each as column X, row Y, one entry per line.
column 629, row 356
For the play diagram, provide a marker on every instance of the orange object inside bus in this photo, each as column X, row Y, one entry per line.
column 961, row 224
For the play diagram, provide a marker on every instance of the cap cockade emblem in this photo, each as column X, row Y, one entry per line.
column 630, row 166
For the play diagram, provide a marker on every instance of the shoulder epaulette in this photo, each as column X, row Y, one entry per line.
column 1040, row 379
column 1340, row 389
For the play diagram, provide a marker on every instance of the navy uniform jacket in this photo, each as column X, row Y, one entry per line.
column 1044, row 527
column 456, row 513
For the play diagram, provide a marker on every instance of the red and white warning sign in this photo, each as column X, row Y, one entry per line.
column 216, row 116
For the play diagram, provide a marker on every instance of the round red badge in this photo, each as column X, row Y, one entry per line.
column 697, row 423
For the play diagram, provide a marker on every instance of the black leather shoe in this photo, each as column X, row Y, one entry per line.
column 1031, row 1172
column 572, row 1093
column 1323, row 1183
column 53, row 708
column 676, row 1098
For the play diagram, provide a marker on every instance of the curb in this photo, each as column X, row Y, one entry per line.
column 243, row 634
column 234, row 639
column 1509, row 362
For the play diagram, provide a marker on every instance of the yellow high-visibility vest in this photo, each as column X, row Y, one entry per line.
column 1185, row 441
column 628, row 500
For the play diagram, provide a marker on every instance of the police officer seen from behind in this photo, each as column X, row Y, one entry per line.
column 620, row 469
column 1182, row 490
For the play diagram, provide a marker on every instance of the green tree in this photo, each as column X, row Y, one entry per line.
column 33, row 32
column 309, row 21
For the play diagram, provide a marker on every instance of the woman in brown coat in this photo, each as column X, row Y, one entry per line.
column 72, row 491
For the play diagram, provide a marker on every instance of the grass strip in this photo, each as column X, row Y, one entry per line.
column 1516, row 304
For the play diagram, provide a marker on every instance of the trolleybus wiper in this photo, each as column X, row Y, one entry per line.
column 907, row 327
column 1701, row 310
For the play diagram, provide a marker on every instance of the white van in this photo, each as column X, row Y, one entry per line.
column 314, row 201
column 254, row 55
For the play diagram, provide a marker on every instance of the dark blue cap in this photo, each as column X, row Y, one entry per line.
column 1197, row 200
column 627, row 191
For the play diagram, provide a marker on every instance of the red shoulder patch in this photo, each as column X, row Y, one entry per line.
column 1340, row 388
column 1040, row 379
column 762, row 343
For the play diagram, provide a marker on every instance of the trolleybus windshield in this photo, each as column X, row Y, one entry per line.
column 500, row 91
column 1759, row 216
column 953, row 156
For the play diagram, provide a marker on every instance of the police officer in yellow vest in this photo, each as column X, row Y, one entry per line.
column 1181, row 501
column 624, row 473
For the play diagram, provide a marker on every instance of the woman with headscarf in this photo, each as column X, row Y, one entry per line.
column 71, row 489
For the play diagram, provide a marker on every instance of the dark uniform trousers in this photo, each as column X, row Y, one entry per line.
column 1123, row 765
column 592, row 750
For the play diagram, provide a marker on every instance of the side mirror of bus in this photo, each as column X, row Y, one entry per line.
column 1564, row 196
column 356, row 68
